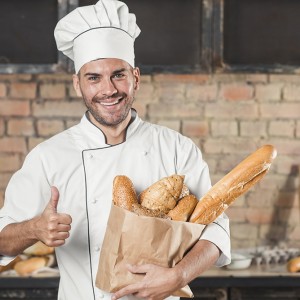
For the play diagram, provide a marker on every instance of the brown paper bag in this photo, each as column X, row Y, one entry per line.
column 134, row 239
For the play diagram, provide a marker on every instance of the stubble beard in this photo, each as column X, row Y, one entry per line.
column 113, row 119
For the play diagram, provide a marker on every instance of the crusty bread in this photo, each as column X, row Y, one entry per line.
column 293, row 265
column 39, row 248
column 124, row 194
column 11, row 265
column 235, row 183
column 28, row 266
column 184, row 208
column 143, row 211
column 163, row 194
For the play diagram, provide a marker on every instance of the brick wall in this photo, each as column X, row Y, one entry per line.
column 227, row 115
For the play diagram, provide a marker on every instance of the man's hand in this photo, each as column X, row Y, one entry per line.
column 158, row 283
column 52, row 227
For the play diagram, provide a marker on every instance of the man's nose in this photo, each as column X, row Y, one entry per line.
column 107, row 87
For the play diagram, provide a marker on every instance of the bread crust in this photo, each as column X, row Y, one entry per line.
column 39, row 248
column 184, row 208
column 293, row 265
column 27, row 266
column 163, row 194
column 246, row 174
column 124, row 194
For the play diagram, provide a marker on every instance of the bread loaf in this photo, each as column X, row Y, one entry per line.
column 39, row 248
column 293, row 265
column 11, row 265
column 235, row 183
column 163, row 194
column 28, row 266
column 183, row 209
column 124, row 194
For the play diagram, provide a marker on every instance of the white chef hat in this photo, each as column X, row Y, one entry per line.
column 103, row 30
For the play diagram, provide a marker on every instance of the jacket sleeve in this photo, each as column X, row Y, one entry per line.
column 191, row 164
column 26, row 194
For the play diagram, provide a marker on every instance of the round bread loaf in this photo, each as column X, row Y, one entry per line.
column 29, row 265
column 163, row 194
column 293, row 265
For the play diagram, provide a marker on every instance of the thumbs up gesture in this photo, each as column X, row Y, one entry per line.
column 52, row 227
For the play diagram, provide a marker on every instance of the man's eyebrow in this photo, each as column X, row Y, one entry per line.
column 91, row 74
column 119, row 71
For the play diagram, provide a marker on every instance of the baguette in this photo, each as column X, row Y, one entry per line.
column 247, row 173
column 39, row 248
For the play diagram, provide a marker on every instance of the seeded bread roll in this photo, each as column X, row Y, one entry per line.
column 184, row 208
column 124, row 194
column 235, row 183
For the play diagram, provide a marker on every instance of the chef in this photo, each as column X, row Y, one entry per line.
column 62, row 194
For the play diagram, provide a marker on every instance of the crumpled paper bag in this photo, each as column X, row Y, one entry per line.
column 134, row 239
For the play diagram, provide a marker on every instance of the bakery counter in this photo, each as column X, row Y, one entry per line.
column 39, row 287
column 255, row 283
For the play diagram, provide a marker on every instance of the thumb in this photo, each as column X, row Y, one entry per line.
column 52, row 205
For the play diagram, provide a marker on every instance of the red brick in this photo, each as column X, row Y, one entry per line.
column 3, row 90
column 72, row 92
column 14, row 108
column 2, row 127
column 280, row 110
column 229, row 145
column 146, row 94
column 15, row 77
column 9, row 162
column 181, row 78
column 260, row 215
column 284, row 78
column 224, row 128
column 70, row 123
column 174, row 111
column 295, row 234
column 59, row 109
column 291, row 92
column 287, row 146
column 201, row 93
column 170, row 93
column 33, row 142
column 282, row 128
column 288, row 199
column 53, row 90
column 237, row 92
column 236, row 214
column 13, row 144
column 239, row 77
column 49, row 127
column 258, row 197
column 253, row 128
column 298, row 129
column 20, row 127
column 288, row 216
column 286, row 164
column 195, row 128
column 269, row 92
column 230, row 110
column 272, row 232
column 23, row 90
column 172, row 124
column 244, row 231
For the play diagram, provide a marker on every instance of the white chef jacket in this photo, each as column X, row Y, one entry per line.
column 80, row 163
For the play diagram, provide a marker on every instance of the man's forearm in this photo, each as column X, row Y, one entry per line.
column 200, row 258
column 16, row 237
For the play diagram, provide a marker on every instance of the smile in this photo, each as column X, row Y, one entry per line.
column 111, row 103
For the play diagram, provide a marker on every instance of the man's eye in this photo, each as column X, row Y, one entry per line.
column 93, row 78
column 119, row 75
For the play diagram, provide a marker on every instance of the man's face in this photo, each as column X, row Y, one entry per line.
column 107, row 87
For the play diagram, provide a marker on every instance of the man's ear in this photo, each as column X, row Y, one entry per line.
column 76, row 85
column 137, row 78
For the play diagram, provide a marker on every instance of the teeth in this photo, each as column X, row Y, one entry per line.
column 109, row 104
